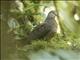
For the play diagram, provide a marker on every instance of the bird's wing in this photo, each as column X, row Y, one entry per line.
column 39, row 31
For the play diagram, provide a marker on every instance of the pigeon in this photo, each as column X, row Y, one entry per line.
column 45, row 30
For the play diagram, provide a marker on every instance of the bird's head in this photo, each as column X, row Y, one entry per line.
column 52, row 14
column 49, row 11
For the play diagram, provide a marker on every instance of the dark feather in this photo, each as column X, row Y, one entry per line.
column 44, row 30
column 39, row 32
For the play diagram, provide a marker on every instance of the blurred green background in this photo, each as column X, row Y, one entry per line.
column 19, row 17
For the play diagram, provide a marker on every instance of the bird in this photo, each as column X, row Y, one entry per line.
column 46, row 30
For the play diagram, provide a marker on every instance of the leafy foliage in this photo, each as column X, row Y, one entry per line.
column 24, row 15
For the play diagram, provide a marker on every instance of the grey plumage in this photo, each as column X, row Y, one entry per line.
column 45, row 29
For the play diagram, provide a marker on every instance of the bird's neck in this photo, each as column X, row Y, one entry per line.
column 49, row 20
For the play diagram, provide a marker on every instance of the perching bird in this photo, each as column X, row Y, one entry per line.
column 45, row 30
